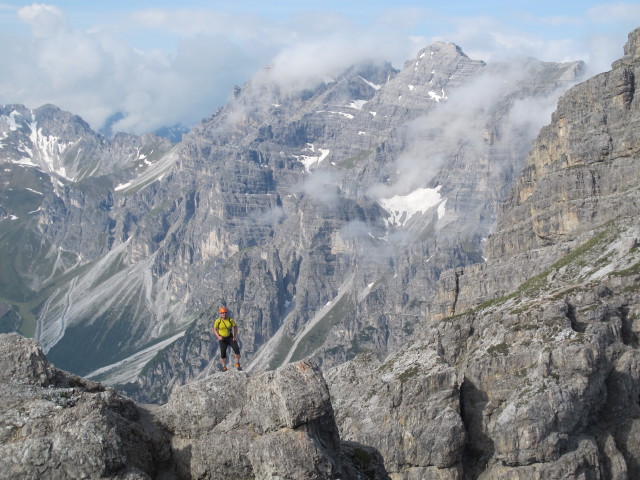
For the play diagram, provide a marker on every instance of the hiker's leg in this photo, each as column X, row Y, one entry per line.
column 236, row 351
column 223, row 352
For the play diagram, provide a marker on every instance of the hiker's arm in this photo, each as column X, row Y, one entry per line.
column 216, row 333
column 235, row 332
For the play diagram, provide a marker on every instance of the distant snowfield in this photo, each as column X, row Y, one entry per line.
column 10, row 120
column 403, row 207
column 319, row 154
column 49, row 148
column 357, row 104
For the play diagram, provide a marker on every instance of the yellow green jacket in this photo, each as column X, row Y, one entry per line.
column 224, row 326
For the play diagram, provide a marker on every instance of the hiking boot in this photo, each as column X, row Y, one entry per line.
column 238, row 366
column 224, row 369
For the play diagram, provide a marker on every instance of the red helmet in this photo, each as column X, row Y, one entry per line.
column 223, row 310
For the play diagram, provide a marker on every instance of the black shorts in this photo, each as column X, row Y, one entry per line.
column 224, row 346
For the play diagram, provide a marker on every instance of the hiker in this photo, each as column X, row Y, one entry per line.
column 227, row 332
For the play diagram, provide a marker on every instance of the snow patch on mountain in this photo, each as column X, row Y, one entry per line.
column 357, row 104
column 403, row 207
column 348, row 115
column 9, row 121
column 371, row 84
column 318, row 155
column 441, row 209
column 48, row 149
column 436, row 97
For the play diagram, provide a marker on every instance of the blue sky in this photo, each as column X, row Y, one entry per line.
column 162, row 62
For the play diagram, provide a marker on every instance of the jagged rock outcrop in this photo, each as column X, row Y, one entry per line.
column 407, row 406
column 274, row 425
column 54, row 425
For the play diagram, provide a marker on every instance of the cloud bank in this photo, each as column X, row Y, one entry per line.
column 463, row 125
column 97, row 74
column 196, row 56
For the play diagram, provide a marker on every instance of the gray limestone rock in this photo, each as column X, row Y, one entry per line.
column 58, row 426
column 54, row 425
column 271, row 425
column 407, row 407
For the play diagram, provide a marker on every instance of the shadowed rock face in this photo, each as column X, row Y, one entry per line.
column 56, row 425
column 408, row 406
column 280, row 424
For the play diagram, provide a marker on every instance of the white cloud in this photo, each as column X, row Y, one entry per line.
column 321, row 186
column 194, row 22
column 271, row 217
column 44, row 20
column 614, row 13
column 460, row 125
column 97, row 72
column 594, row 35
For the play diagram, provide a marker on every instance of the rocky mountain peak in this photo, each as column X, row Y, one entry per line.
column 439, row 47
column 631, row 49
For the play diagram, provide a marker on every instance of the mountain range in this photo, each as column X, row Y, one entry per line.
column 322, row 218
column 459, row 263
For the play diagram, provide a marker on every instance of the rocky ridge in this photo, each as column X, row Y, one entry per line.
column 275, row 425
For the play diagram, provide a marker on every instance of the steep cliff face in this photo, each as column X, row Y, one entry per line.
column 583, row 168
column 542, row 339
